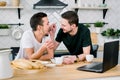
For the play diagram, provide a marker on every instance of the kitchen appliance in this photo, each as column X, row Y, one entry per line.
column 6, row 70
column 49, row 4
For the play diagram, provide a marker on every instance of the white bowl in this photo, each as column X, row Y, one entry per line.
column 44, row 62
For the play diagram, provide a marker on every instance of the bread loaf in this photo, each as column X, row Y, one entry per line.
column 27, row 64
column 41, row 66
column 22, row 64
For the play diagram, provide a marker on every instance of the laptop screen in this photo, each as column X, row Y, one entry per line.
column 110, row 58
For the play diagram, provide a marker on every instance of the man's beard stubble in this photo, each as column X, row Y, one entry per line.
column 69, row 31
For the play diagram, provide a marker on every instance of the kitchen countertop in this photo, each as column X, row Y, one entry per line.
column 66, row 72
column 105, row 78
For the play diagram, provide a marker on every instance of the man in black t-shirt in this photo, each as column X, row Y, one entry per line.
column 75, row 36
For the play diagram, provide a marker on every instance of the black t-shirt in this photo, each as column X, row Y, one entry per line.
column 75, row 43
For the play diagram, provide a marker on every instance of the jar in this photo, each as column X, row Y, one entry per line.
column 15, row 2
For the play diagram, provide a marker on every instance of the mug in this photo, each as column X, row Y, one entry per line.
column 89, row 57
column 57, row 60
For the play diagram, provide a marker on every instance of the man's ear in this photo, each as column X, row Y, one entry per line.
column 38, row 27
column 73, row 25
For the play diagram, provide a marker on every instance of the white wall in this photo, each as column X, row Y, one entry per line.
column 11, row 16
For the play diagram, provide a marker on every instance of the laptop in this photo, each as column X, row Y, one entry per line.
column 110, row 59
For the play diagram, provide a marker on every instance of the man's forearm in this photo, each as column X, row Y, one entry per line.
column 81, row 57
column 39, row 53
column 86, row 50
column 56, row 44
column 48, row 56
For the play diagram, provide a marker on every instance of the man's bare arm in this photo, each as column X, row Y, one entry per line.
column 48, row 55
column 86, row 50
column 56, row 44
column 50, row 50
column 35, row 55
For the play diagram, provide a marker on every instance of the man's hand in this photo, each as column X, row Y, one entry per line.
column 81, row 57
column 69, row 59
column 52, row 30
column 44, row 47
column 50, row 44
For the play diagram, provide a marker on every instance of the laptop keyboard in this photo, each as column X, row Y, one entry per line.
column 97, row 67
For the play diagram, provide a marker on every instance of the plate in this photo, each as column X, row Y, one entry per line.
column 44, row 62
column 50, row 65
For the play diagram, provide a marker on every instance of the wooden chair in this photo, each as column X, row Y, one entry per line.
column 94, row 38
column 95, row 49
column 95, row 45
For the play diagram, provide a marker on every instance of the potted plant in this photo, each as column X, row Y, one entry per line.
column 111, row 33
column 98, row 25
column 4, row 29
column 87, row 25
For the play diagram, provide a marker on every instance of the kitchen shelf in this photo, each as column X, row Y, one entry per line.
column 93, row 23
column 13, row 7
column 15, row 24
column 103, row 1
column 77, row 0
column 87, row 8
column 92, row 8
column 9, row 7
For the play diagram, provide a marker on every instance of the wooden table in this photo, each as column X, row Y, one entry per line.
column 66, row 72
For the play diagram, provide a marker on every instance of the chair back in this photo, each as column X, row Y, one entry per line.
column 14, row 52
column 95, row 49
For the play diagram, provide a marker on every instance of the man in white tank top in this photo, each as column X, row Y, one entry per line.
column 33, row 44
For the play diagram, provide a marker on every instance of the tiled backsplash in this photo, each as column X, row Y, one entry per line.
column 112, row 17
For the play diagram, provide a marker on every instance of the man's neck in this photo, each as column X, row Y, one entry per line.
column 74, row 31
column 38, row 36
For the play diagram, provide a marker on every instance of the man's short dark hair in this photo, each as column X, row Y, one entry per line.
column 36, row 20
column 71, row 16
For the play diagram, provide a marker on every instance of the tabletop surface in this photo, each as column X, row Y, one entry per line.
column 65, row 72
